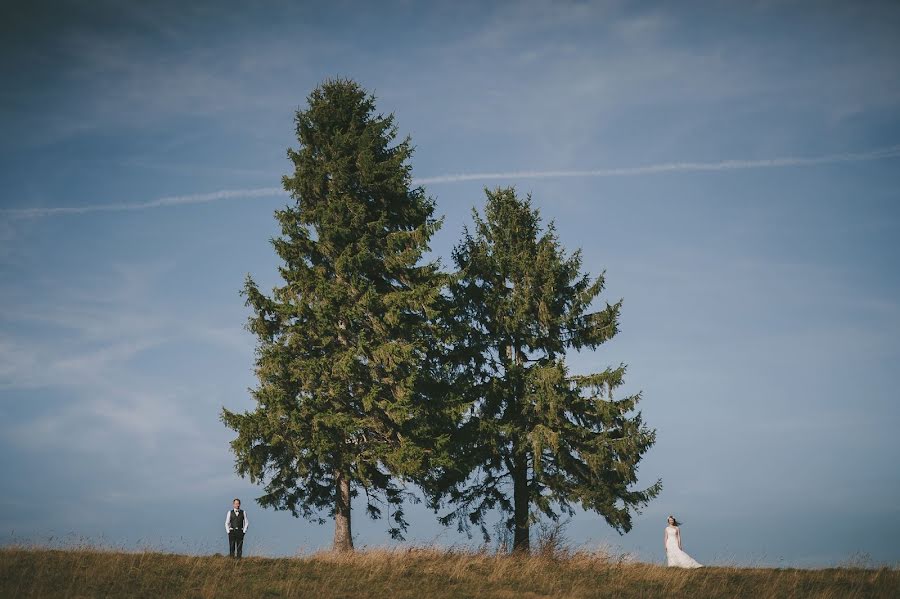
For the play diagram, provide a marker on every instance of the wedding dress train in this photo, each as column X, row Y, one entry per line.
column 675, row 557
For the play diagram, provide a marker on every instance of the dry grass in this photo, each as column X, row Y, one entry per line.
column 414, row 573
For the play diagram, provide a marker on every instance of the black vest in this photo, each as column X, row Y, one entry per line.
column 236, row 522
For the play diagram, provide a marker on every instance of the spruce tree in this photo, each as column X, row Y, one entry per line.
column 537, row 439
column 343, row 344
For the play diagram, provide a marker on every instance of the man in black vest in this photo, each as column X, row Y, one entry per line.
column 236, row 524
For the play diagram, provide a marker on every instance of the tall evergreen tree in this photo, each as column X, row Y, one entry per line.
column 537, row 440
column 342, row 344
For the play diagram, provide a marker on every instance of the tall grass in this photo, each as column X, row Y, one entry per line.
column 419, row 572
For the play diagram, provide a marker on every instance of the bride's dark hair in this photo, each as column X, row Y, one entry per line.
column 675, row 522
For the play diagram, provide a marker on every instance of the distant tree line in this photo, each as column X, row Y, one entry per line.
column 380, row 372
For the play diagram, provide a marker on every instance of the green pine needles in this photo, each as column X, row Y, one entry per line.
column 376, row 369
column 537, row 440
column 343, row 342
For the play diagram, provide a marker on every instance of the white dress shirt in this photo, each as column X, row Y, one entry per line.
column 228, row 518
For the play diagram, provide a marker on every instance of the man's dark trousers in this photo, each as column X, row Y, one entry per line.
column 235, row 543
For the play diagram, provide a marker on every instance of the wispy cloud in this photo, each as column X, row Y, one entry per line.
column 632, row 171
column 97, row 359
column 78, row 348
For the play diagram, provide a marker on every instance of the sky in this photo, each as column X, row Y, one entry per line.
column 734, row 168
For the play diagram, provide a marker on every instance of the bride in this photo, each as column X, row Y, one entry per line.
column 675, row 557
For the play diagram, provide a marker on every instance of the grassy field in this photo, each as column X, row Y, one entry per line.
column 413, row 573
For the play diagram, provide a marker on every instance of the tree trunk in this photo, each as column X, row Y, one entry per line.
column 343, row 539
column 521, row 537
column 521, row 500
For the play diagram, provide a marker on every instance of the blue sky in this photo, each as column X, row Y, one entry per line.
column 745, row 206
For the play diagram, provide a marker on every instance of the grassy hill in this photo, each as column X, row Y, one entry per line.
column 413, row 573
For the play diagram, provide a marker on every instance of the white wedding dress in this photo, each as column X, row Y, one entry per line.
column 675, row 557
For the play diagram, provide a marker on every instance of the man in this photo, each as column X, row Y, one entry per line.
column 236, row 524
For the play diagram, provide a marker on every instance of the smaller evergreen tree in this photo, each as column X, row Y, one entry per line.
column 536, row 439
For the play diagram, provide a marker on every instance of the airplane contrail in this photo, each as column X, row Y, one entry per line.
column 651, row 169
column 668, row 167
column 196, row 198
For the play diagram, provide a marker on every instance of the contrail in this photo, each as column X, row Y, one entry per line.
column 669, row 167
column 651, row 169
column 197, row 198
